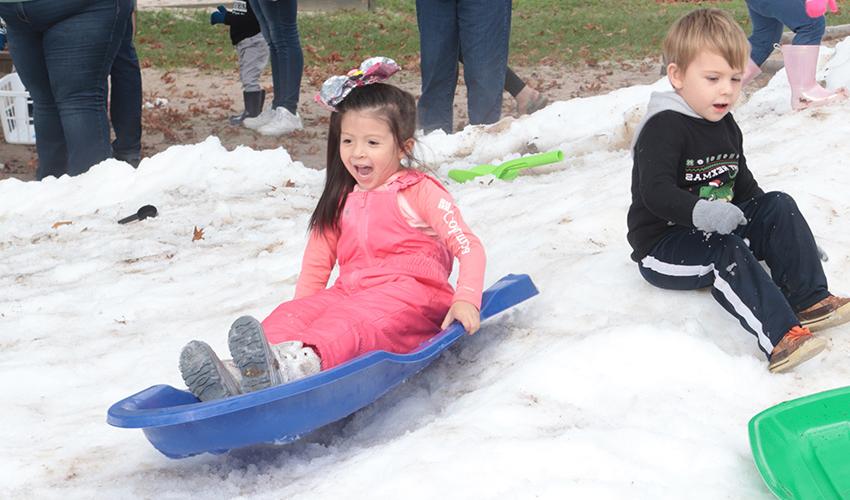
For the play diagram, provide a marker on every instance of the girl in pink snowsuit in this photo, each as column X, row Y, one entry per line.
column 393, row 231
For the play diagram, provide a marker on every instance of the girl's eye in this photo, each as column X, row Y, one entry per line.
column 373, row 143
column 346, row 141
column 712, row 78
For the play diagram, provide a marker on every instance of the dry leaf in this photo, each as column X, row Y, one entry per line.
column 289, row 183
column 61, row 223
column 198, row 234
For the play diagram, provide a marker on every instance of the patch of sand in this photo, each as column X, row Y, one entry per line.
column 199, row 103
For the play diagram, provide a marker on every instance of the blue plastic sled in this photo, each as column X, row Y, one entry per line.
column 178, row 425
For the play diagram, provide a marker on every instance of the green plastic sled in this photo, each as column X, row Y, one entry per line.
column 802, row 447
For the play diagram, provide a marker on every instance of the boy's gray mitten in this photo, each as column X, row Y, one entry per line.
column 717, row 216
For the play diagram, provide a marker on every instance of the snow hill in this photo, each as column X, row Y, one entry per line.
column 600, row 387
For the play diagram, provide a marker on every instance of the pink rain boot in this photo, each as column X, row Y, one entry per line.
column 801, row 62
column 750, row 73
column 817, row 8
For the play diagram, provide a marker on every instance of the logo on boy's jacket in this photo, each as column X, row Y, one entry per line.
column 717, row 190
column 454, row 228
column 710, row 167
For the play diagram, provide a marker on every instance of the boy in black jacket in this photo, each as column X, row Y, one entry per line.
column 253, row 51
column 698, row 217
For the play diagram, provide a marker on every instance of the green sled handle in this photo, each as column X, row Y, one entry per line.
column 509, row 170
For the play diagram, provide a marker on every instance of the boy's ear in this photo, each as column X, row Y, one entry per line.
column 675, row 75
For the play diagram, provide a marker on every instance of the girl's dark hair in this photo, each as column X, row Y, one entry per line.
column 392, row 104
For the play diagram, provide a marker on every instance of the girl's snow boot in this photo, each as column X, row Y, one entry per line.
column 262, row 365
column 801, row 63
column 253, row 355
column 206, row 376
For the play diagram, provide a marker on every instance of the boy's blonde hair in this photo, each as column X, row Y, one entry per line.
column 706, row 29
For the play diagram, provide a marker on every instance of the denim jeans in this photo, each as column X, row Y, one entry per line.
column 278, row 23
column 769, row 17
column 513, row 83
column 478, row 29
column 63, row 51
column 125, row 101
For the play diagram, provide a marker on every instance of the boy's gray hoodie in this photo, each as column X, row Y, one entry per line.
column 662, row 101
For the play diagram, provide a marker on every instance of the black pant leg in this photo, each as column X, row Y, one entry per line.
column 688, row 259
column 779, row 235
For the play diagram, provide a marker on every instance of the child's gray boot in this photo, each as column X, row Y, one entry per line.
column 253, row 356
column 206, row 376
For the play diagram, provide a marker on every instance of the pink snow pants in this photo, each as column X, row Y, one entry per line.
column 393, row 313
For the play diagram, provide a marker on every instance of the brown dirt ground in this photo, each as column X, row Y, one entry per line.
column 199, row 103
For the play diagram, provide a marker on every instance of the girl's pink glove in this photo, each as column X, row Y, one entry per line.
column 817, row 8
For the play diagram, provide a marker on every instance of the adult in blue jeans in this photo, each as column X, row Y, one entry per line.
column 278, row 23
column 478, row 29
column 769, row 17
column 125, row 99
column 63, row 51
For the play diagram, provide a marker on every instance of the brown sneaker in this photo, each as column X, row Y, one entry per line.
column 797, row 346
column 829, row 312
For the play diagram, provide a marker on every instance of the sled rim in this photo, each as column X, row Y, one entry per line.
column 131, row 413
column 800, row 446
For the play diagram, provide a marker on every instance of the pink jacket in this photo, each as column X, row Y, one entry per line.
column 363, row 249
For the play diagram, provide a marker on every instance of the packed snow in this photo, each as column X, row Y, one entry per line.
column 600, row 387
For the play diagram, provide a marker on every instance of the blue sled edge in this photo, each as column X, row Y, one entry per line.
column 179, row 425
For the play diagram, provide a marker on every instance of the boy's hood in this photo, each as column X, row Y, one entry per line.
column 663, row 101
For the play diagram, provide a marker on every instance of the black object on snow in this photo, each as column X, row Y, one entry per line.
column 142, row 214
